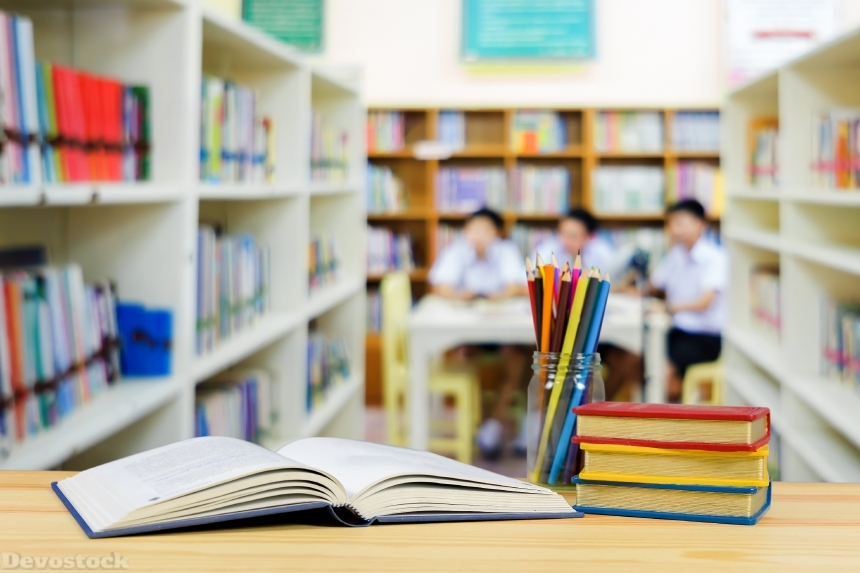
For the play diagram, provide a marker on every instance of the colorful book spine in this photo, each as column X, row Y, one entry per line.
column 58, row 348
column 696, row 131
column 233, row 285
column 385, row 193
column 628, row 131
column 840, row 342
column 328, row 367
column 697, row 180
column 543, row 190
column 764, row 297
column 386, row 131
column 329, row 150
column 236, row 141
column 836, row 149
column 466, row 189
column 538, row 132
column 324, row 262
column 629, row 189
column 388, row 251
column 236, row 404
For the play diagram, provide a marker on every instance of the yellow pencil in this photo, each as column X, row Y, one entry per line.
column 561, row 372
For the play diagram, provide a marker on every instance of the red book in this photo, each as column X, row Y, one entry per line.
column 59, row 77
column 722, row 428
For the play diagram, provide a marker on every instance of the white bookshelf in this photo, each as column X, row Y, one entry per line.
column 143, row 235
column 813, row 234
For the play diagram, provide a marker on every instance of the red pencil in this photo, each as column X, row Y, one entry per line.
column 530, row 277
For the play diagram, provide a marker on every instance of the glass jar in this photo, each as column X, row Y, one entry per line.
column 560, row 383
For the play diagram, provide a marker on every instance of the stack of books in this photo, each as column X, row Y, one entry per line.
column 696, row 131
column 233, row 285
column 452, row 129
column 672, row 461
column 235, row 404
column 629, row 189
column 388, row 251
column 840, row 336
column 386, row 131
column 538, row 132
column 64, row 125
column 528, row 238
column 328, row 366
column 237, row 144
column 764, row 155
column 384, row 190
column 466, row 189
column 765, row 313
column 628, row 131
column 835, row 149
column 697, row 180
column 329, row 150
column 58, row 348
column 447, row 235
column 324, row 262
column 540, row 190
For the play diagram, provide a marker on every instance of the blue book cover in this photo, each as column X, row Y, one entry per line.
column 734, row 520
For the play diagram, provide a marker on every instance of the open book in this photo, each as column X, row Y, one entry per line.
column 206, row 480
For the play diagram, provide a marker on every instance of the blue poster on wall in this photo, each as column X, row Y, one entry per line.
column 528, row 29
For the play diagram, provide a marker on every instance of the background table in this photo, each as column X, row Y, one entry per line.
column 439, row 324
column 811, row 527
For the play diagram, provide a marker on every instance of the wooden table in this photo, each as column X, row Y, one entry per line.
column 811, row 527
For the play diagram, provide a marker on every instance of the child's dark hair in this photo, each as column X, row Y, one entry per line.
column 489, row 214
column 584, row 217
column 690, row 206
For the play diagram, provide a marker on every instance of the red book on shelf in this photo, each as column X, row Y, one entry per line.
column 61, row 103
column 91, row 136
column 674, row 426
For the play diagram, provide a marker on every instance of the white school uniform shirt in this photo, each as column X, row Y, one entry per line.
column 686, row 275
column 596, row 253
column 459, row 267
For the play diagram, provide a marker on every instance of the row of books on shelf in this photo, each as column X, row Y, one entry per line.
column 233, row 285
column 66, row 125
column 386, row 130
column 532, row 189
column 452, row 129
column 237, row 143
column 324, row 262
column 764, row 301
column 446, row 235
column 538, row 132
column 385, row 192
column 696, row 131
column 58, row 347
column 629, row 189
column 836, row 149
column 540, row 190
column 329, row 150
column 328, row 366
column 388, row 251
column 628, row 131
column 840, row 337
column 697, row 180
column 236, row 404
column 764, row 155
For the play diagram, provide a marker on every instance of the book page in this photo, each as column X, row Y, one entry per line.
column 105, row 494
column 359, row 465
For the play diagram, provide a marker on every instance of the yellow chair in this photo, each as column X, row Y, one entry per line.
column 460, row 384
column 699, row 375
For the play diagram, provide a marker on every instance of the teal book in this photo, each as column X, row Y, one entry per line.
column 715, row 504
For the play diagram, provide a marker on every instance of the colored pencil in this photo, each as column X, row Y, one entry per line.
column 539, row 305
column 561, row 314
column 548, row 288
column 558, row 390
column 530, row 279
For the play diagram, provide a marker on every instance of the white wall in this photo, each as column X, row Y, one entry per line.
column 649, row 53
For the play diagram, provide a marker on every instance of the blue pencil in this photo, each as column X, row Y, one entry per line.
column 590, row 347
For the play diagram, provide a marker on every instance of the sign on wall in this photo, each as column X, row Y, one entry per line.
column 528, row 29
column 296, row 22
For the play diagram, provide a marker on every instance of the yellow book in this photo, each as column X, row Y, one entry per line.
column 618, row 463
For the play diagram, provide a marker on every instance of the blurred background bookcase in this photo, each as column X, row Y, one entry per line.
column 809, row 235
column 143, row 235
column 488, row 143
